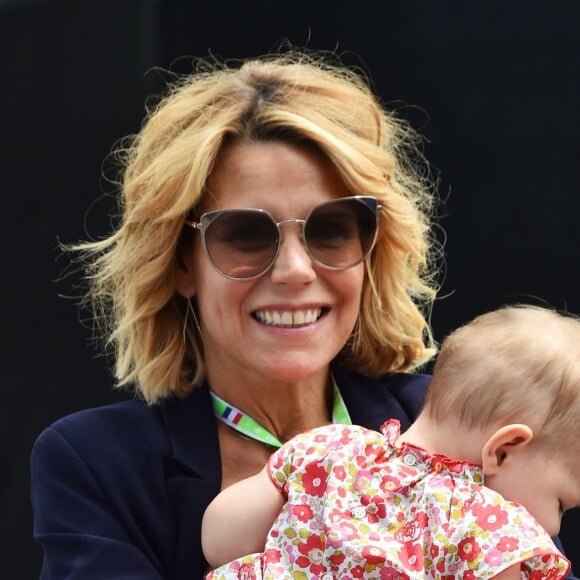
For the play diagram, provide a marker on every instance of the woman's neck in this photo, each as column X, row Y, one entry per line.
column 284, row 408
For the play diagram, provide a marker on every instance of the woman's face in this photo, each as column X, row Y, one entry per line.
column 245, row 323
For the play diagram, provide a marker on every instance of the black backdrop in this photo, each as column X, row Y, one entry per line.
column 493, row 86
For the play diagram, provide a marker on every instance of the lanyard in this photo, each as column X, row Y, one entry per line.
column 244, row 424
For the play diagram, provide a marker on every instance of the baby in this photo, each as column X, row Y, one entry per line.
column 473, row 489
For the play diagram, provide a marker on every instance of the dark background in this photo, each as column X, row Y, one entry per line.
column 492, row 85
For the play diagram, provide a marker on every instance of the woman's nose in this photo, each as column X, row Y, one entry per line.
column 293, row 265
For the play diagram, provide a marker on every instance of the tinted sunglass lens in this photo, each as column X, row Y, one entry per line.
column 339, row 234
column 242, row 243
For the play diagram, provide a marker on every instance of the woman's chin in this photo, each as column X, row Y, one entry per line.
column 295, row 369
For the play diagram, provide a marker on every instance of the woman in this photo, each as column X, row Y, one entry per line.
column 270, row 274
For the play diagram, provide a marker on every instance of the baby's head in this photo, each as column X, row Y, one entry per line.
column 513, row 376
column 518, row 364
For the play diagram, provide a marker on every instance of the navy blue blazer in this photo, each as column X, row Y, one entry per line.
column 118, row 492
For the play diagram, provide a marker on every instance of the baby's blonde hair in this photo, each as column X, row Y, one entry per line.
column 518, row 364
column 289, row 98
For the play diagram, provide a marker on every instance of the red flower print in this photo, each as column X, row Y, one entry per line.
column 468, row 549
column 434, row 551
column 302, row 512
column 373, row 555
column 372, row 452
column 375, row 507
column 411, row 556
column 391, row 430
column 340, row 533
column 437, row 465
column 508, row 544
column 444, row 481
column 357, row 572
column 391, row 573
column 362, row 480
column 494, row 557
column 410, row 471
column 234, row 565
column 312, row 552
column 408, row 533
column 390, row 483
column 422, row 520
column 345, row 436
column 339, row 472
column 271, row 556
column 320, row 438
column 312, row 544
column 247, row 572
column 336, row 516
column 453, row 465
column 336, row 559
column 469, row 575
column 552, row 574
column 277, row 460
column 489, row 517
column 314, row 479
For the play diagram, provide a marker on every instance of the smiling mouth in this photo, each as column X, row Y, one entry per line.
column 289, row 318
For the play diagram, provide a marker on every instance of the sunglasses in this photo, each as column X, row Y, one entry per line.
column 242, row 244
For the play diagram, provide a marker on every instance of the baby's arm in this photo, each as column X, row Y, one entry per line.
column 237, row 521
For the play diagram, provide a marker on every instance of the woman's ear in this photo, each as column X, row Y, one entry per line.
column 502, row 443
column 184, row 277
column 184, row 281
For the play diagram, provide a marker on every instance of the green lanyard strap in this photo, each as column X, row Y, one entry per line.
column 244, row 424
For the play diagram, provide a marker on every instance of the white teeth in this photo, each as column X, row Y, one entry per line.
column 288, row 318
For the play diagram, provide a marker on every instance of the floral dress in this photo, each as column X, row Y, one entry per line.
column 360, row 507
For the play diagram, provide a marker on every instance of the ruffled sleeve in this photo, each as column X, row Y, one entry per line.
column 308, row 449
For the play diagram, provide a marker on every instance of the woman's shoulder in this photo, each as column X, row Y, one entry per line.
column 394, row 382
column 119, row 440
column 123, row 479
column 130, row 429
column 124, row 420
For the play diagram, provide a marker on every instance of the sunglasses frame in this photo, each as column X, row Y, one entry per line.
column 207, row 218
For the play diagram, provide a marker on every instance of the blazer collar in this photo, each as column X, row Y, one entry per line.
column 192, row 432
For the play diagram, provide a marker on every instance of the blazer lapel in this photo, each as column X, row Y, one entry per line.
column 194, row 477
column 192, row 433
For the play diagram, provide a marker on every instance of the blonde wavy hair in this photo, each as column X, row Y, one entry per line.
column 518, row 364
column 292, row 97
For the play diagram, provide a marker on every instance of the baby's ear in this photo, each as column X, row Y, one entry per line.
column 502, row 443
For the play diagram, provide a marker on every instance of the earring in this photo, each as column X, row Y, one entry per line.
column 355, row 342
column 191, row 309
column 354, row 339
